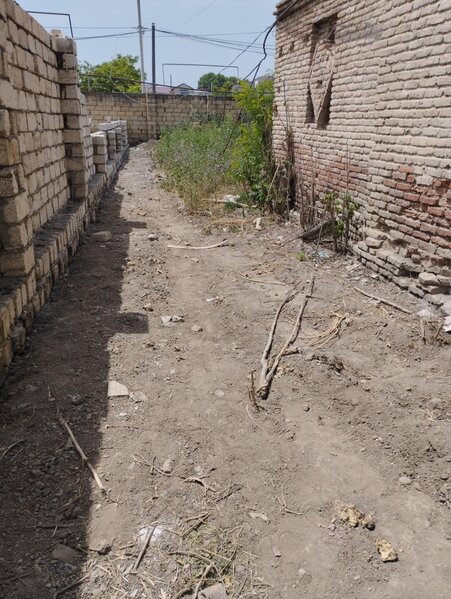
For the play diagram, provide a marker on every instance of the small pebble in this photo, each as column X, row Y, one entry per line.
column 405, row 481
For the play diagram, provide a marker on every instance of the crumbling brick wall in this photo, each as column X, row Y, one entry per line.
column 148, row 116
column 363, row 88
column 50, row 180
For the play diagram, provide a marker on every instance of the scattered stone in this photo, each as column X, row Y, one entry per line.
column 197, row 328
column 301, row 572
column 428, row 279
column 354, row 517
column 405, row 481
column 102, row 236
column 369, row 522
column 258, row 516
column 306, row 408
column 167, row 466
column 102, row 547
column 148, row 307
column 219, row 393
column 66, row 554
column 166, row 320
column 140, row 397
column 177, row 318
column 217, row 591
column 116, row 389
column 446, row 307
column 386, row 551
column 152, row 237
column 276, row 551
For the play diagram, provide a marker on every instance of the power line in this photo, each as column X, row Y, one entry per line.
column 198, row 13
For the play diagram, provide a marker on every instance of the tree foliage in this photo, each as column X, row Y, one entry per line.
column 117, row 75
column 217, row 84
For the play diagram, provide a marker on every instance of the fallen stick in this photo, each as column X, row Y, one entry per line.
column 192, row 247
column 69, row 587
column 146, row 542
column 248, row 278
column 384, row 301
column 267, row 374
column 202, row 580
column 264, row 360
column 11, row 447
column 81, row 453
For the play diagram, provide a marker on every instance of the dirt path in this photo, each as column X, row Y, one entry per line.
column 246, row 498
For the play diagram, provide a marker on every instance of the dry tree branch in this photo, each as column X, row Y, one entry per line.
column 267, row 373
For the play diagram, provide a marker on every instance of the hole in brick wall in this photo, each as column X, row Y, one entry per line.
column 322, row 64
column 59, row 60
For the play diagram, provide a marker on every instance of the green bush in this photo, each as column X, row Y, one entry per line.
column 196, row 158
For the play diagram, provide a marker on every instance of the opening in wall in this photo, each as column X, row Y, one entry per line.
column 322, row 67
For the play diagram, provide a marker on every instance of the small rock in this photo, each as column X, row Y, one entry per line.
column 177, row 318
column 368, row 522
column 386, row 551
column 116, row 389
column 306, row 408
column 219, row 393
column 148, row 307
column 217, row 591
column 301, row 572
column 66, row 554
column 428, row 279
column 102, row 547
column 152, row 237
column 166, row 319
column 167, row 466
column 197, row 329
column 405, row 481
column 102, row 236
column 289, row 436
column 258, row 516
column 276, row 551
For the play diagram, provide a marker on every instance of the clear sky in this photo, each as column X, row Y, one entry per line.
column 237, row 21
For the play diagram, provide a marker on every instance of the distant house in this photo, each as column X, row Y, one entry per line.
column 183, row 89
column 363, row 105
column 262, row 78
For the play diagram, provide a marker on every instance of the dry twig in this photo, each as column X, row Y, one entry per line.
column 384, row 301
column 81, row 453
column 5, row 451
column 267, row 373
column 146, row 542
column 69, row 587
column 192, row 247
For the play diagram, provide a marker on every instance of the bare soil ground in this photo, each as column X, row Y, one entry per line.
column 244, row 497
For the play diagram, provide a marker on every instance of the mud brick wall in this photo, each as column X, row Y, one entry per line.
column 50, row 180
column 148, row 117
column 365, row 88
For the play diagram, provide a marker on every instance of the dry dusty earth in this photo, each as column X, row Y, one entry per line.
column 238, row 496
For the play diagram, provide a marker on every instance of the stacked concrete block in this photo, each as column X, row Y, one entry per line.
column 382, row 71
column 100, row 145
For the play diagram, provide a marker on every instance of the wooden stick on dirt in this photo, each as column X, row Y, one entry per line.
column 81, row 453
column 146, row 542
column 264, row 360
column 11, row 447
column 69, row 587
column 201, row 581
column 267, row 374
column 384, row 301
column 206, row 247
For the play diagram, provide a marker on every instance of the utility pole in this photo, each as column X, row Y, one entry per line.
column 154, row 62
column 141, row 46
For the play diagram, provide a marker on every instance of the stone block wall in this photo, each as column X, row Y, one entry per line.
column 365, row 88
column 49, row 180
column 147, row 116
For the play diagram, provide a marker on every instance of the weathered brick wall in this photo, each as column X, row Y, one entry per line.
column 148, row 117
column 384, row 135
column 50, row 179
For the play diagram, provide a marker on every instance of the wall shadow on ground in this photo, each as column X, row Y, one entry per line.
column 45, row 493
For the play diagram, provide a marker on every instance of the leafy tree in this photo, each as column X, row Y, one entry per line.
column 217, row 83
column 117, row 75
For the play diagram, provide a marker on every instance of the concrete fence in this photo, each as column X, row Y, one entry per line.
column 52, row 169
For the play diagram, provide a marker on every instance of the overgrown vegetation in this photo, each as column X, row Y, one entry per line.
column 341, row 211
column 197, row 158
column 202, row 159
